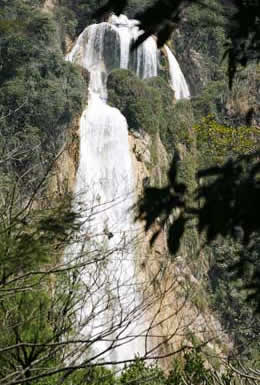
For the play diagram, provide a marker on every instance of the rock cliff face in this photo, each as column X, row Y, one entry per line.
column 179, row 308
column 49, row 5
column 63, row 177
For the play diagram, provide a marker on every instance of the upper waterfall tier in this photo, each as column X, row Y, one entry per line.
column 106, row 46
column 144, row 60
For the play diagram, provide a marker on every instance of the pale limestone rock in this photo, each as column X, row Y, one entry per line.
column 63, row 177
column 177, row 307
column 49, row 5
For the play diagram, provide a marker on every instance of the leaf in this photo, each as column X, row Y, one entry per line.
column 116, row 6
column 175, row 234
column 154, row 237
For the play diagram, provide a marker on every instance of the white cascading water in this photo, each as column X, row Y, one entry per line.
column 113, row 315
column 178, row 81
column 125, row 28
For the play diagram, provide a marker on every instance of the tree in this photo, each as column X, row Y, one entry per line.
column 62, row 314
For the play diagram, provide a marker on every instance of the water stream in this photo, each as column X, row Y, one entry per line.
column 178, row 81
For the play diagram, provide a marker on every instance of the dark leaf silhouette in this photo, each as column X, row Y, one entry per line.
column 175, row 234
column 154, row 237
column 116, row 6
column 228, row 205
column 158, row 205
column 172, row 173
column 244, row 33
column 231, row 200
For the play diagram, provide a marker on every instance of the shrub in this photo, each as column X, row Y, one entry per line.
column 138, row 102
column 216, row 142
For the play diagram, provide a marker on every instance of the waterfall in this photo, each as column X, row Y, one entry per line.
column 178, row 81
column 105, row 182
column 144, row 60
column 105, row 190
column 125, row 28
column 104, row 186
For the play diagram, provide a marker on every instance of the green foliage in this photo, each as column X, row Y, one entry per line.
column 232, row 271
column 28, row 235
column 149, row 107
column 200, row 43
column 217, row 142
column 74, row 16
column 180, row 126
column 24, row 319
column 67, row 24
column 175, row 119
column 191, row 367
column 31, row 242
column 211, row 100
column 95, row 375
column 39, row 92
column 139, row 373
column 208, row 22
column 243, row 99
column 139, row 103
column 236, row 107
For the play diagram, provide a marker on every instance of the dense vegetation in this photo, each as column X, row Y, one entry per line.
column 40, row 93
column 139, row 103
column 226, row 127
